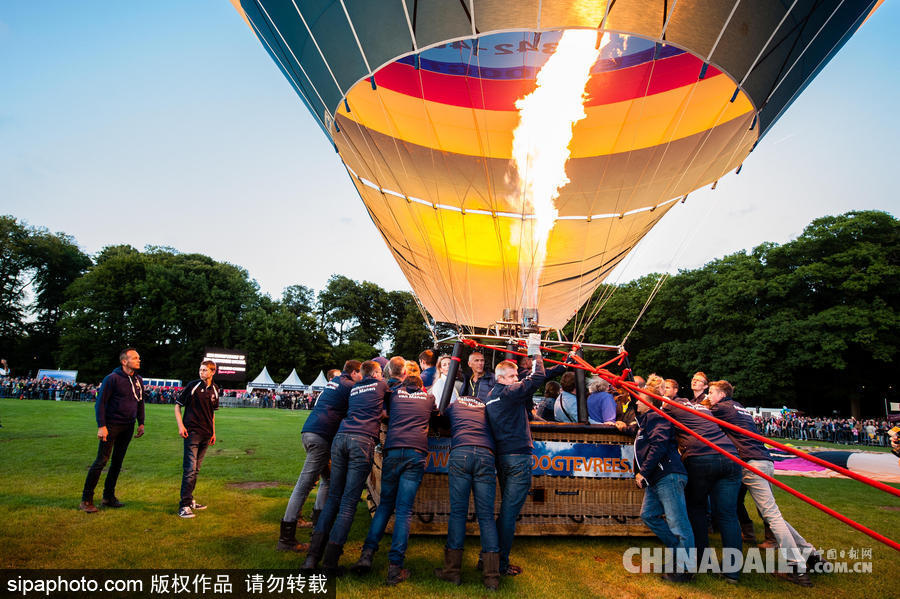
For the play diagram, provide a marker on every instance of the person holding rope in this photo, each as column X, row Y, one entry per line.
column 791, row 544
column 508, row 409
column 711, row 475
column 659, row 471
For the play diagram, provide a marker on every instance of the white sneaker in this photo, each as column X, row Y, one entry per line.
column 186, row 512
column 197, row 506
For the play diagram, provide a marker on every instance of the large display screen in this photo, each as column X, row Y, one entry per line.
column 232, row 364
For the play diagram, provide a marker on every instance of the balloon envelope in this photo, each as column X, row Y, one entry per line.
column 419, row 100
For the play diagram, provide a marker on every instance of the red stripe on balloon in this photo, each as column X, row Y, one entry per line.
column 500, row 94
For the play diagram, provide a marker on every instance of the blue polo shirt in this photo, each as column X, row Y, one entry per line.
column 734, row 413
column 468, row 424
column 330, row 408
column 410, row 411
column 690, row 446
column 365, row 407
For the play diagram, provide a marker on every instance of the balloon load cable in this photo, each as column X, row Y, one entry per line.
column 636, row 392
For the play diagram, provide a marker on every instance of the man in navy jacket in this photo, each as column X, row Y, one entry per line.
column 352, row 452
column 508, row 410
column 120, row 402
column 317, row 433
column 658, row 470
column 402, row 469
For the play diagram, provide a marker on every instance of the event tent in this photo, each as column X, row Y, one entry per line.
column 262, row 381
column 320, row 382
column 293, row 382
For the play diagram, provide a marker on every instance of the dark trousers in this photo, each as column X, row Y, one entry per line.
column 195, row 445
column 716, row 477
column 117, row 439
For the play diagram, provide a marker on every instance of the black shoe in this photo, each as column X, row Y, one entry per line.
column 287, row 538
column 111, row 502
column 364, row 564
column 812, row 561
column 798, row 578
column 330, row 559
column 314, row 553
column 511, row 570
column 396, row 574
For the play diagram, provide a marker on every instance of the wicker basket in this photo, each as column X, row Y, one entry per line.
column 556, row 505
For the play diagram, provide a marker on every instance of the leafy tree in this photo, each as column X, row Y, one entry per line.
column 13, row 261
column 168, row 305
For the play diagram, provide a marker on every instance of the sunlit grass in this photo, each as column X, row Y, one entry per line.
column 46, row 448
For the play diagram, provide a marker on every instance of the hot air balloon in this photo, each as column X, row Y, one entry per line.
column 425, row 103
column 419, row 101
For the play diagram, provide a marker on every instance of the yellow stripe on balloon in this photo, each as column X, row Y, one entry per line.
column 608, row 129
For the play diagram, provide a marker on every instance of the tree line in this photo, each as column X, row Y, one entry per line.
column 811, row 323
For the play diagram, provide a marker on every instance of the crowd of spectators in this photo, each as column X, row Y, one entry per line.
column 46, row 388
column 845, row 431
column 57, row 390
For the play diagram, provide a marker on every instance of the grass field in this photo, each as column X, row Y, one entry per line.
column 46, row 448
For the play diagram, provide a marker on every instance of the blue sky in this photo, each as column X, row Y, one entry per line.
column 166, row 123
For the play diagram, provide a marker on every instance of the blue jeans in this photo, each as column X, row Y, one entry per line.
column 401, row 474
column 720, row 478
column 472, row 468
column 194, row 449
column 666, row 498
column 514, row 474
column 351, row 463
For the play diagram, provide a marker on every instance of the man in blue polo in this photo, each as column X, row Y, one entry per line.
column 200, row 400
column 120, row 402
column 318, row 431
column 405, row 448
column 351, row 462
column 508, row 409
column 795, row 550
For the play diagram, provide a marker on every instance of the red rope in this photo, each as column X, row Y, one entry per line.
column 621, row 381
column 879, row 537
column 864, row 479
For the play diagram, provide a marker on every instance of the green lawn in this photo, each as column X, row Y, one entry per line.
column 46, row 448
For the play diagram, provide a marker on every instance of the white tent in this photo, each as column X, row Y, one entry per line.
column 320, row 382
column 263, row 381
column 293, row 382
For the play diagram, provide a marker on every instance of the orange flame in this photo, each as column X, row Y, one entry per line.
column 547, row 117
